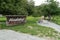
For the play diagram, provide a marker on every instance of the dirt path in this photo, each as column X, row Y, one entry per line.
column 12, row 35
column 50, row 24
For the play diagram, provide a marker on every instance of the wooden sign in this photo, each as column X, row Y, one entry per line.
column 15, row 19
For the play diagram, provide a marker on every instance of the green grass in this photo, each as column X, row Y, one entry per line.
column 2, row 19
column 31, row 27
column 56, row 20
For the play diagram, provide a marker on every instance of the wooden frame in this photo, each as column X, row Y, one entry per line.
column 15, row 19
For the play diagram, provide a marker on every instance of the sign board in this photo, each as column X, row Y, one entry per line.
column 15, row 19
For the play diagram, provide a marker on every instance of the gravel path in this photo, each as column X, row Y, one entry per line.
column 12, row 35
column 50, row 24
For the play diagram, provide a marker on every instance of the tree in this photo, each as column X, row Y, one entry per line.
column 13, row 7
column 37, row 11
column 49, row 9
column 30, row 7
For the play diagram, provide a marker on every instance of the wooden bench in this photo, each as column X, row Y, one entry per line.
column 15, row 19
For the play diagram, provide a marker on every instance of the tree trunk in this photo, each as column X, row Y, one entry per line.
column 49, row 17
column 44, row 17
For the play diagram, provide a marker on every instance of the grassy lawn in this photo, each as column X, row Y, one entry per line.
column 2, row 19
column 31, row 27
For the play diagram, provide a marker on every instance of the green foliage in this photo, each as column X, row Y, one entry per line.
column 23, row 7
column 37, row 11
column 13, row 7
column 50, row 8
column 53, row 7
column 30, row 7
